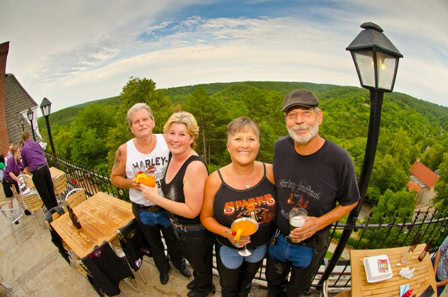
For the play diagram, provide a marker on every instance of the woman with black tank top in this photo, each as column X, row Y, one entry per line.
column 183, row 188
column 243, row 188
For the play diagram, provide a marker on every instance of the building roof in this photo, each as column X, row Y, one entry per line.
column 17, row 100
column 413, row 186
column 424, row 174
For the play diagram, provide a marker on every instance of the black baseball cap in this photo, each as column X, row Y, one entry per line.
column 300, row 98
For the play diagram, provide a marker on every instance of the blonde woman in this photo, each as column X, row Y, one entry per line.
column 183, row 190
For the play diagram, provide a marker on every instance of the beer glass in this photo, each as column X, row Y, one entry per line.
column 297, row 218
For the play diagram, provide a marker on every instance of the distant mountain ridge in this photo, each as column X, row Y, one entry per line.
column 324, row 92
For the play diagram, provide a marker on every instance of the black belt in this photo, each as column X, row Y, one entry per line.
column 151, row 208
column 43, row 166
column 187, row 228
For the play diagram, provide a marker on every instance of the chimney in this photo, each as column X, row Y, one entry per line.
column 4, row 143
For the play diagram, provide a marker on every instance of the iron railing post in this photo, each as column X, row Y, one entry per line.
column 376, row 101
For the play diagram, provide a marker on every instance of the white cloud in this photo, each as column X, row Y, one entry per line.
column 86, row 51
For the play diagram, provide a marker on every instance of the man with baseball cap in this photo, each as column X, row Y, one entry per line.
column 313, row 173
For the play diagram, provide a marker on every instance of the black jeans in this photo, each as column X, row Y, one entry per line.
column 44, row 186
column 197, row 248
column 300, row 281
column 154, row 240
column 236, row 282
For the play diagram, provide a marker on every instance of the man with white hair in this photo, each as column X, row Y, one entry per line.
column 313, row 173
column 143, row 153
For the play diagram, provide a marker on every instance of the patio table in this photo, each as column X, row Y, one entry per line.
column 100, row 216
column 423, row 275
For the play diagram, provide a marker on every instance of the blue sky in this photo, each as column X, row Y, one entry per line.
column 77, row 51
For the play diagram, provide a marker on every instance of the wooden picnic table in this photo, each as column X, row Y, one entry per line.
column 100, row 216
column 423, row 275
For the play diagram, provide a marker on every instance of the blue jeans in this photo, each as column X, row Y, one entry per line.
column 237, row 281
column 232, row 260
column 300, row 256
column 151, row 224
column 155, row 218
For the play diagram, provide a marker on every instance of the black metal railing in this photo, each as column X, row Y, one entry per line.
column 429, row 225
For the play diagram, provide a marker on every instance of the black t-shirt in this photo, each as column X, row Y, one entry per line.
column 175, row 191
column 314, row 182
column 257, row 202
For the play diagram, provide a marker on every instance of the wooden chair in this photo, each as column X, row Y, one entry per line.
column 324, row 291
column 75, row 197
column 31, row 198
column 106, row 269
column 60, row 185
column 33, row 203
column 64, row 249
column 133, row 246
column 13, row 214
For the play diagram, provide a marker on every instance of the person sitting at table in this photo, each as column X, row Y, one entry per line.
column 243, row 188
column 34, row 161
column 148, row 152
column 11, row 178
column 183, row 187
column 441, row 266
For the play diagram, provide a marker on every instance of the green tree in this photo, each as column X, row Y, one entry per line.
column 441, row 187
column 89, row 133
column 208, row 113
column 387, row 174
column 63, row 142
column 394, row 208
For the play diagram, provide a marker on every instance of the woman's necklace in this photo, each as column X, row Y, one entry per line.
column 246, row 183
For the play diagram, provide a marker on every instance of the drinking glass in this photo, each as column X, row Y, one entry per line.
column 297, row 218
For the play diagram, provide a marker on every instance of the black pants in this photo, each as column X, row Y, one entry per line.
column 236, row 282
column 7, row 188
column 197, row 248
column 154, row 240
column 301, row 278
column 44, row 186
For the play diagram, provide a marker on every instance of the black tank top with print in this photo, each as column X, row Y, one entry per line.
column 175, row 191
column 258, row 202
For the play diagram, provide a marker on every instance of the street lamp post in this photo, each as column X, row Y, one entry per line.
column 376, row 60
column 23, row 124
column 45, row 107
column 30, row 116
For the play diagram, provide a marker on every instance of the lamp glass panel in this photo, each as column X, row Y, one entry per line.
column 30, row 115
column 365, row 67
column 386, row 65
column 46, row 110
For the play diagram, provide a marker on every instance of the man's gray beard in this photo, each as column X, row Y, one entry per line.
column 304, row 139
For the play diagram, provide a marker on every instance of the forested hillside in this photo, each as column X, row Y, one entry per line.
column 410, row 128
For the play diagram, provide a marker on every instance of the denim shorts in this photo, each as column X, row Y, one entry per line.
column 232, row 260
column 155, row 218
column 300, row 256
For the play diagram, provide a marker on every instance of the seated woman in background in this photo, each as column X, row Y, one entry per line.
column 183, row 188
column 243, row 188
column 11, row 178
column 441, row 266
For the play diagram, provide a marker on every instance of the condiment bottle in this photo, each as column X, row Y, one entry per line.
column 73, row 217
column 425, row 251
column 408, row 252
